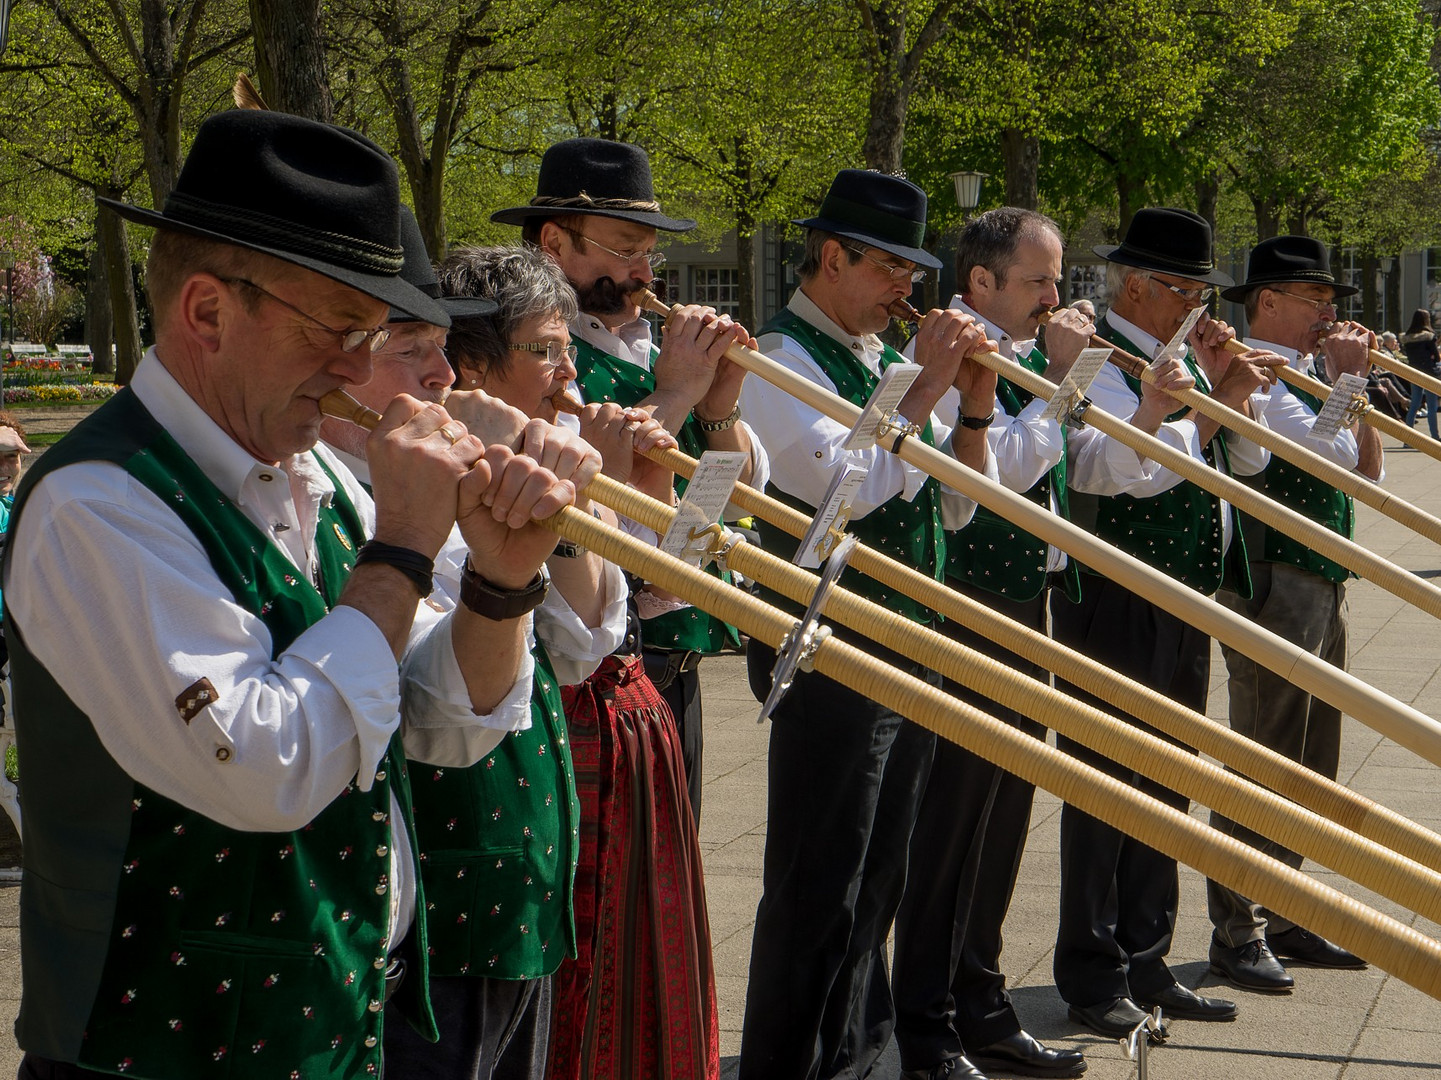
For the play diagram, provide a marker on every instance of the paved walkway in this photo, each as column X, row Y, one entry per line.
column 1353, row 1025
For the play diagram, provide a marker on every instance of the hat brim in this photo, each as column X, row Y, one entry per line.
column 519, row 215
column 919, row 256
column 1114, row 253
column 1237, row 294
column 457, row 307
column 395, row 291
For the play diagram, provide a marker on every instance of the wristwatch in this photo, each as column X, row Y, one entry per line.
column 978, row 423
column 719, row 425
column 492, row 602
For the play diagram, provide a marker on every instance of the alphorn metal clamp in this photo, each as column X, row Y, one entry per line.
column 798, row 650
column 1137, row 1044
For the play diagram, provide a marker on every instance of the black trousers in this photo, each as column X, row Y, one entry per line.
column 490, row 1029
column 1118, row 896
column 681, row 691
column 845, row 779
column 970, row 833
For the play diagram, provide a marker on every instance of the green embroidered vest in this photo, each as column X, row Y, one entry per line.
column 1307, row 494
column 991, row 553
column 909, row 532
column 1178, row 531
column 157, row 941
column 603, row 377
column 498, row 847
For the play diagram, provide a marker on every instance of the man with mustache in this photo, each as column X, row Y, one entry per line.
column 952, row 1009
column 1290, row 298
column 596, row 215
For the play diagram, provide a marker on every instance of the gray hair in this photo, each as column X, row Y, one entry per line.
column 1117, row 275
column 815, row 241
column 522, row 280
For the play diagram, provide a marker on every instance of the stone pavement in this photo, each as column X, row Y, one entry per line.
column 1353, row 1025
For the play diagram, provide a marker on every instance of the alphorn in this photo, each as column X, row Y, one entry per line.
column 1340, row 804
column 1414, row 590
column 1374, row 496
column 1397, row 721
column 1367, row 863
column 1380, row 939
column 1380, row 421
column 1401, row 369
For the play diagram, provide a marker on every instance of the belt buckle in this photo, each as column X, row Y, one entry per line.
column 394, row 976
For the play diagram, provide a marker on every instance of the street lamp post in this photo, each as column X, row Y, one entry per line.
column 968, row 190
column 1386, row 264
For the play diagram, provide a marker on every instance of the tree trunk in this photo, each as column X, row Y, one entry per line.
column 122, row 294
column 290, row 57
column 1370, row 270
column 1129, row 192
column 1208, row 191
column 1022, row 156
column 158, row 115
column 1268, row 217
column 746, row 231
column 99, row 321
column 1296, row 223
column 886, row 130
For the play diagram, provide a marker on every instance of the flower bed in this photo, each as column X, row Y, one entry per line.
column 58, row 393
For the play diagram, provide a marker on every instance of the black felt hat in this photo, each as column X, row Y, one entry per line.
column 420, row 273
column 312, row 194
column 880, row 210
column 1283, row 259
column 1169, row 241
column 599, row 177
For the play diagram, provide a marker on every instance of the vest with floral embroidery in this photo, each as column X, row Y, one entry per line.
column 603, row 377
column 498, row 848
column 1179, row 531
column 908, row 531
column 991, row 553
column 1307, row 494
column 158, row 942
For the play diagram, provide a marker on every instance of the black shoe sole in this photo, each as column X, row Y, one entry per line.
column 1319, row 965
column 1259, row 988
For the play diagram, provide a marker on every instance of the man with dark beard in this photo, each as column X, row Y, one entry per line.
column 595, row 214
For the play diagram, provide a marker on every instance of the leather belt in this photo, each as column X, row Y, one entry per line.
column 676, row 663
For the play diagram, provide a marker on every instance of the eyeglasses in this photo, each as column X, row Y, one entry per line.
column 896, row 273
column 1191, row 296
column 1317, row 304
column 654, row 259
column 555, row 353
column 350, row 340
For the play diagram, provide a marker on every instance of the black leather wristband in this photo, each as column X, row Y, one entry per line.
column 492, row 602
column 408, row 561
column 978, row 423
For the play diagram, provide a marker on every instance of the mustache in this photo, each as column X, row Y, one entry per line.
column 605, row 296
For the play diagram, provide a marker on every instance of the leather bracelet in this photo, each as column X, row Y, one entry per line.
column 978, row 423
column 492, row 602
column 419, row 569
column 719, row 425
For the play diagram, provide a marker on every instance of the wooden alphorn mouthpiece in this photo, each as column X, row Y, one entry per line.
column 342, row 406
column 1131, row 365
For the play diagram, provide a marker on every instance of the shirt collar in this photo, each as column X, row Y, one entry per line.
column 806, row 308
column 1293, row 356
column 1011, row 348
column 632, row 341
column 1149, row 344
column 228, row 465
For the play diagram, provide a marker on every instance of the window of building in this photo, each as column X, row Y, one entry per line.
column 718, row 287
column 1086, row 281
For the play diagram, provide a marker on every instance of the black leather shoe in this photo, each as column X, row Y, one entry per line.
column 1023, row 1055
column 1252, row 966
column 1181, row 1004
column 1115, row 1018
column 956, row 1068
column 1299, row 944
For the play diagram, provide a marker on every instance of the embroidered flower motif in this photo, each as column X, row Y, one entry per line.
column 127, row 997
column 176, row 1025
column 224, row 987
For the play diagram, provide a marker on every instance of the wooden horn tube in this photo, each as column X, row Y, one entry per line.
column 1405, row 371
column 1366, row 862
column 1383, row 941
column 1340, row 804
column 1399, row 722
column 1380, row 421
column 1358, row 487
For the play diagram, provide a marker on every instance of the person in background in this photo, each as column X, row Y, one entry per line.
column 1419, row 343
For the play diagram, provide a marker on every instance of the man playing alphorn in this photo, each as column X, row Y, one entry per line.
column 845, row 774
column 1118, row 896
column 596, row 215
column 1290, row 299
column 951, row 1000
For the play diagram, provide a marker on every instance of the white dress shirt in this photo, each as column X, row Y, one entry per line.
column 805, row 447
column 1101, row 465
column 119, row 601
column 1289, row 416
column 1024, row 447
